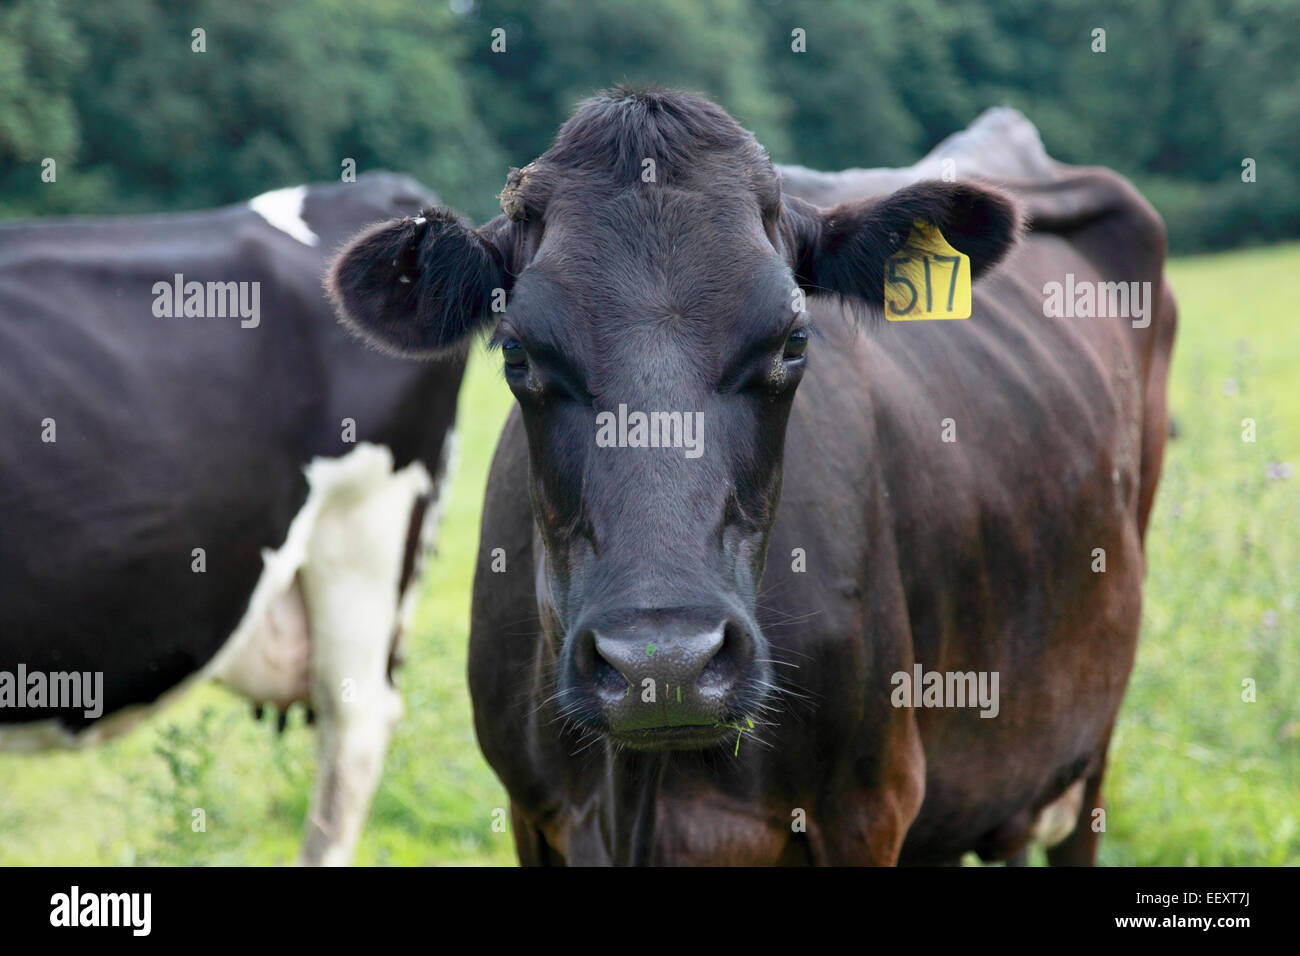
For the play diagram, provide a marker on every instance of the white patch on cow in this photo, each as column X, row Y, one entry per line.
column 282, row 208
column 350, row 578
column 274, row 663
column 268, row 658
column 1057, row 820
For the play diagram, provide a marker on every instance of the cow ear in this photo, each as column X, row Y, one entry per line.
column 844, row 249
column 419, row 286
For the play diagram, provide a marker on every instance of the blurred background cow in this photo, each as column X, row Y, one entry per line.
column 206, row 477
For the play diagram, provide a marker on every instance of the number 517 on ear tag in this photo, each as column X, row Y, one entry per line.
column 927, row 278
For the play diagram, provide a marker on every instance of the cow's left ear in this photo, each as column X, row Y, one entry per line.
column 844, row 249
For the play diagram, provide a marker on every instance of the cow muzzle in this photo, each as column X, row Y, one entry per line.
column 666, row 680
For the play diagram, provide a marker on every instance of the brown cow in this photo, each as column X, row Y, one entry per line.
column 666, row 666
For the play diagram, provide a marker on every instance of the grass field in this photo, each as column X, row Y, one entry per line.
column 1198, row 775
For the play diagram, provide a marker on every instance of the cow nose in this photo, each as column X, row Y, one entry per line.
column 682, row 659
column 657, row 672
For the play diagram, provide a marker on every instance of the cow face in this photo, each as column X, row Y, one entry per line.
column 654, row 338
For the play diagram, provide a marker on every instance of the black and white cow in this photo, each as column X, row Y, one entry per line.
column 203, row 476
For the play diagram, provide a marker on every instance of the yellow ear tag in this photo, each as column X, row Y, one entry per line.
column 927, row 278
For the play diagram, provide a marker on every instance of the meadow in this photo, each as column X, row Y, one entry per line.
column 1198, row 774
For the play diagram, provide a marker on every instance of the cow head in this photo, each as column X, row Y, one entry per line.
column 655, row 277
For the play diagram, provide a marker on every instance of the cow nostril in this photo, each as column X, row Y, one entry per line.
column 592, row 666
column 724, row 666
column 604, row 674
column 606, row 678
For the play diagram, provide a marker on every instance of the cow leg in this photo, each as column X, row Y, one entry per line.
column 1080, row 847
column 351, row 581
column 530, row 846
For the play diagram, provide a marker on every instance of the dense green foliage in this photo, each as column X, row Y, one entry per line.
column 287, row 90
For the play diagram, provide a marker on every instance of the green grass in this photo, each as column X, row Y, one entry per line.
column 1197, row 775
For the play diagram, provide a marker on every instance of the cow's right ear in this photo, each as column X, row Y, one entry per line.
column 419, row 286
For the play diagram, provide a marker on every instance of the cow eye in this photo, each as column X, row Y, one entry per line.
column 796, row 345
column 513, row 352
